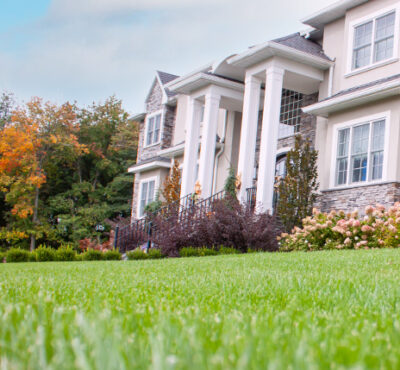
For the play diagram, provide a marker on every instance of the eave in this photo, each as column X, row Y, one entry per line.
column 354, row 99
column 259, row 53
column 148, row 166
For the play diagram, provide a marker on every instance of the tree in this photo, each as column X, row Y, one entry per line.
column 297, row 190
column 37, row 135
column 230, row 184
column 7, row 104
column 171, row 190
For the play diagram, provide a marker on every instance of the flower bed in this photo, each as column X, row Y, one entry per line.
column 379, row 228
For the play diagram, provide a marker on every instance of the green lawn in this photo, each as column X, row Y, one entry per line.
column 302, row 311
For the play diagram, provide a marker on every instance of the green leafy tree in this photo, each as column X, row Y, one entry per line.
column 230, row 184
column 297, row 190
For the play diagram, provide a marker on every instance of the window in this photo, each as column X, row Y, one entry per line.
column 280, row 168
column 374, row 41
column 146, row 195
column 360, row 152
column 153, row 129
column 290, row 117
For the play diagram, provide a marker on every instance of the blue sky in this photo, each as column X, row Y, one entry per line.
column 87, row 50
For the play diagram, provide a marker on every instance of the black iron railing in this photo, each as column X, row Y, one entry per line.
column 251, row 197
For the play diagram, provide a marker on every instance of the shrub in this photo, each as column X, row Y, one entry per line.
column 32, row 257
column 2, row 257
column 92, row 255
column 379, row 228
column 112, row 255
column 154, row 254
column 136, row 254
column 189, row 252
column 65, row 254
column 17, row 255
column 227, row 250
column 45, row 254
column 79, row 257
column 227, row 223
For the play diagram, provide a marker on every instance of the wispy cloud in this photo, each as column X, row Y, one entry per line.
column 89, row 49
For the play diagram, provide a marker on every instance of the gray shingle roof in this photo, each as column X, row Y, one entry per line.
column 166, row 78
column 362, row 87
column 298, row 42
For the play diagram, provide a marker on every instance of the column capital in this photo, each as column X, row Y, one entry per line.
column 252, row 80
column 274, row 70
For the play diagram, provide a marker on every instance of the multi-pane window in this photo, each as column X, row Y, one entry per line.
column 153, row 129
column 146, row 195
column 374, row 41
column 360, row 152
column 290, row 116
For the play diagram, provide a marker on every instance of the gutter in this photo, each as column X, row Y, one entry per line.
column 220, row 152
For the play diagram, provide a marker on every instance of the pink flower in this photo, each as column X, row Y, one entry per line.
column 356, row 223
column 347, row 241
column 366, row 229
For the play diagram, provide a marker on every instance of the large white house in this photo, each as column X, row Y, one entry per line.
column 338, row 85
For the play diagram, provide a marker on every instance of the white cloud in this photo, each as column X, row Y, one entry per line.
column 89, row 49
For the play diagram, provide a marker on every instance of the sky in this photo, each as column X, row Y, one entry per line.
column 88, row 50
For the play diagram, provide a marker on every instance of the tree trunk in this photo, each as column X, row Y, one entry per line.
column 35, row 218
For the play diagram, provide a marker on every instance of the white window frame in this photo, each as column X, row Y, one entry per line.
column 156, row 186
column 360, row 21
column 149, row 116
column 351, row 124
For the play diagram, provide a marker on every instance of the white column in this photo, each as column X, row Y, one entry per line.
column 208, row 141
column 248, row 134
column 269, row 138
column 191, row 147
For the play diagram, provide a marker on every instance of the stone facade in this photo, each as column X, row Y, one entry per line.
column 359, row 197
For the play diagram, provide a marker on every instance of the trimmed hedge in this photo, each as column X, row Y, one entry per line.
column 112, row 255
column 45, row 254
column 93, row 255
column 2, row 257
column 136, row 254
column 197, row 252
column 17, row 255
column 66, row 254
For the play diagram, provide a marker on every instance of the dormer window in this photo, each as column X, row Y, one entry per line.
column 374, row 41
column 153, row 130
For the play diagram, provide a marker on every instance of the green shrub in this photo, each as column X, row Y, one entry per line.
column 112, row 255
column 154, row 254
column 136, row 254
column 227, row 250
column 79, row 257
column 17, row 255
column 45, row 254
column 65, row 254
column 2, row 256
column 197, row 252
column 189, row 252
column 92, row 255
column 32, row 257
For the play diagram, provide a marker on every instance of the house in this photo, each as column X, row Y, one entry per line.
column 338, row 85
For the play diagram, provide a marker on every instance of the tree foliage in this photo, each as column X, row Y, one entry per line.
column 297, row 190
column 171, row 190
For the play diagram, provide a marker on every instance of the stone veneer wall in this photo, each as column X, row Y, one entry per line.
column 154, row 104
column 359, row 197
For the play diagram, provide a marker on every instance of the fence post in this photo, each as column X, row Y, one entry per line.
column 116, row 238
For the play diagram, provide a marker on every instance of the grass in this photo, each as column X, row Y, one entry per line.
column 277, row 311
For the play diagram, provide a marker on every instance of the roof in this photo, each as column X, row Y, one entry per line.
column 150, row 164
column 298, row 42
column 362, row 87
column 331, row 13
column 356, row 96
column 165, row 78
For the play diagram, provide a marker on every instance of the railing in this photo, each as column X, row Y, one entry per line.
column 142, row 231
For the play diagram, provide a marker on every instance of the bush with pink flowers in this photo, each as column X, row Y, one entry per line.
column 379, row 228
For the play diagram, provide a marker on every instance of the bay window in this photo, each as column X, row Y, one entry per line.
column 374, row 41
column 360, row 153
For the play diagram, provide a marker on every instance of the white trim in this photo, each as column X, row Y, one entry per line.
column 351, row 124
column 269, row 49
column 173, row 151
column 349, row 100
column 282, row 151
column 156, row 180
column 372, row 18
column 330, row 13
column 148, row 166
column 146, row 127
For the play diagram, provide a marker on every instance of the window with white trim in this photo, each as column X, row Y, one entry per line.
column 360, row 152
column 374, row 41
column 146, row 195
column 153, row 129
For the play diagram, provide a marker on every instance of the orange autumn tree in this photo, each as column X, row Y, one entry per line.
column 37, row 133
column 171, row 190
